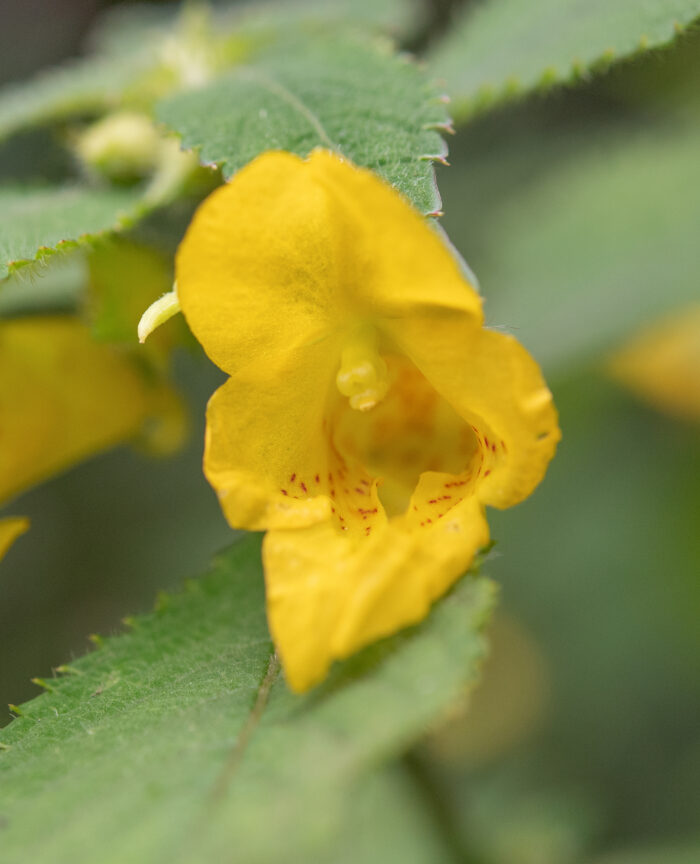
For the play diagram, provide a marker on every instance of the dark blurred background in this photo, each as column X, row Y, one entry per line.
column 35, row 33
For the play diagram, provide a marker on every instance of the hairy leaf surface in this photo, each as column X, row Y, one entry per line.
column 504, row 48
column 179, row 740
column 37, row 222
column 348, row 95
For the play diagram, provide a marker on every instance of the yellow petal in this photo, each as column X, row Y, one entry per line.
column 265, row 448
column 400, row 263
column 495, row 385
column 662, row 364
column 287, row 253
column 10, row 529
column 63, row 397
column 330, row 594
column 260, row 270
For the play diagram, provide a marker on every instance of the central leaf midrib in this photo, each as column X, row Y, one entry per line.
column 276, row 88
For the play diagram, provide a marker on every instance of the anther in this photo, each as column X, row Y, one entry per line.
column 363, row 375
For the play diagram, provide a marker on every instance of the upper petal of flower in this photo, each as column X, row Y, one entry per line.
column 402, row 263
column 262, row 267
column 291, row 250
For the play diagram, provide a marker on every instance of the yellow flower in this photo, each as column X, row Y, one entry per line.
column 662, row 364
column 369, row 416
column 64, row 397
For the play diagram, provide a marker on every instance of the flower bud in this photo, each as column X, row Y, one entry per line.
column 124, row 146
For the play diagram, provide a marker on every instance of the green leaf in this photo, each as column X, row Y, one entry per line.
column 179, row 740
column 501, row 49
column 37, row 223
column 578, row 239
column 350, row 96
column 85, row 86
column 130, row 46
column 59, row 289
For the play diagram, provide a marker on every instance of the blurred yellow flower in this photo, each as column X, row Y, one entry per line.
column 369, row 416
column 662, row 364
column 64, row 397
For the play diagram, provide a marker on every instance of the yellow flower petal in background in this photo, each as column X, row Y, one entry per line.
column 11, row 528
column 63, row 397
column 662, row 364
column 369, row 417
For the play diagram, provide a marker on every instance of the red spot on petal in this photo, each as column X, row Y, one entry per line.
column 284, row 492
column 303, row 487
column 486, row 473
column 292, row 478
column 317, row 478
